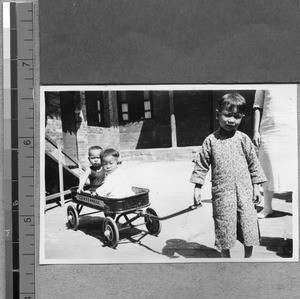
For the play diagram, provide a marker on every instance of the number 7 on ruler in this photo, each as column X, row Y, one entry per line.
column 18, row 149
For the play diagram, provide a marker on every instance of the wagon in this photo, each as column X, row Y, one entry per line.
column 129, row 209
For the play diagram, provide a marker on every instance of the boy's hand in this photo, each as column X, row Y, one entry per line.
column 79, row 190
column 256, row 195
column 197, row 195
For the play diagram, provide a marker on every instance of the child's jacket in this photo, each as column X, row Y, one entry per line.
column 235, row 168
column 96, row 178
column 116, row 185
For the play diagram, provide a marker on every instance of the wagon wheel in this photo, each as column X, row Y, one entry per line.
column 73, row 218
column 153, row 225
column 111, row 232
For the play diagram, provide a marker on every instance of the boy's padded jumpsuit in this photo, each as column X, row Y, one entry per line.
column 235, row 168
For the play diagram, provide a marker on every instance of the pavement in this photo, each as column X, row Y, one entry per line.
column 185, row 238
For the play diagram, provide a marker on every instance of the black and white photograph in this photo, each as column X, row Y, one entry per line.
column 150, row 149
column 169, row 174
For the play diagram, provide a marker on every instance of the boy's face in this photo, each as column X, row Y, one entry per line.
column 94, row 157
column 229, row 120
column 110, row 163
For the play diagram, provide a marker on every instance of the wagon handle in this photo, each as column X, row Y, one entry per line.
column 190, row 208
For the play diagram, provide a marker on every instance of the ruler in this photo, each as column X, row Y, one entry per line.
column 18, row 149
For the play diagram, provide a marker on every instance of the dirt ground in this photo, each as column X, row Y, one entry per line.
column 185, row 238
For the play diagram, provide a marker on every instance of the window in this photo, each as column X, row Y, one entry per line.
column 94, row 108
column 135, row 105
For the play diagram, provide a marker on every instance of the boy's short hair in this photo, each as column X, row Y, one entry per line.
column 231, row 100
column 95, row 147
column 110, row 152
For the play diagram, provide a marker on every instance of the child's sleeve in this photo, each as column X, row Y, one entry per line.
column 255, row 169
column 259, row 99
column 83, row 178
column 202, row 163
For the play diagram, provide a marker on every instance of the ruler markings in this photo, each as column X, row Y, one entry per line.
column 18, row 146
column 25, row 87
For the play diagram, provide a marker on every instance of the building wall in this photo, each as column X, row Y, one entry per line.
column 66, row 122
column 193, row 113
column 69, row 102
column 107, row 136
column 150, row 133
column 53, row 123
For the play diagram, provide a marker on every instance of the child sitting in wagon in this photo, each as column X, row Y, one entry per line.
column 116, row 184
column 94, row 176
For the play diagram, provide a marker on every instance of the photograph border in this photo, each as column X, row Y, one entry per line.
column 162, row 87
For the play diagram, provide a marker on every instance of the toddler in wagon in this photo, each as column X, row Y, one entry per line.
column 236, row 175
column 94, row 176
column 116, row 184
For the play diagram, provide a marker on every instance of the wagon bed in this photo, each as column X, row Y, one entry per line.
column 113, row 205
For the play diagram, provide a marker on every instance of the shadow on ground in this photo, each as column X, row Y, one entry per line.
column 287, row 196
column 282, row 247
column 275, row 214
column 92, row 226
column 179, row 247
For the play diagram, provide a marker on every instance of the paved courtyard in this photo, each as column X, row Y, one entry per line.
column 186, row 238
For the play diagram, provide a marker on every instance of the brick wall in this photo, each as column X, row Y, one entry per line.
column 107, row 136
column 69, row 102
column 53, row 125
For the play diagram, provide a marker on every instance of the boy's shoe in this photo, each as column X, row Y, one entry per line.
column 264, row 213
